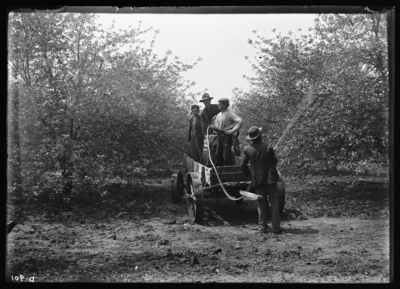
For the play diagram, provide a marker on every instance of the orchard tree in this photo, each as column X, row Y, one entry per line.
column 343, row 60
column 96, row 107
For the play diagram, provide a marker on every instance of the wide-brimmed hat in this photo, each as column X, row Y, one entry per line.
column 253, row 133
column 205, row 96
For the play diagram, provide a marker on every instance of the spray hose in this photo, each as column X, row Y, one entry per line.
column 219, row 180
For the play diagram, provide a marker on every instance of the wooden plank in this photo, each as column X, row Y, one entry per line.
column 228, row 169
column 234, row 185
column 227, row 178
column 251, row 195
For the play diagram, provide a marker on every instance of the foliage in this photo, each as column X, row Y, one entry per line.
column 96, row 107
column 342, row 62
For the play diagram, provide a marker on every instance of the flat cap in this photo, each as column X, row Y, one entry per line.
column 224, row 99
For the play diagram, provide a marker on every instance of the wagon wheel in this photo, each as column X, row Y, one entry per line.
column 195, row 202
column 177, row 187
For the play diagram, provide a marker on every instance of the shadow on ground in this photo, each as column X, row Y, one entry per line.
column 303, row 231
column 221, row 212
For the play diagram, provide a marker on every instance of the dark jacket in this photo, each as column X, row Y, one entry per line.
column 197, row 131
column 206, row 116
column 262, row 159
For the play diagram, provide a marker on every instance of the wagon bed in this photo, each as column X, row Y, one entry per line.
column 226, row 174
column 201, row 182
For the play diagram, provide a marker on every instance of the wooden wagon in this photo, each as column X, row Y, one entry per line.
column 197, row 182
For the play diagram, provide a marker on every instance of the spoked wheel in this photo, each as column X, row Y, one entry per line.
column 177, row 187
column 195, row 202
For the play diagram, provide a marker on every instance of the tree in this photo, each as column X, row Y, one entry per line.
column 344, row 59
column 97, row 107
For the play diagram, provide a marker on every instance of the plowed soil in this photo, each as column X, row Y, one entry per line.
column 336, row 229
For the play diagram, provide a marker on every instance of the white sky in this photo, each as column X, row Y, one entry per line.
column 219, row 39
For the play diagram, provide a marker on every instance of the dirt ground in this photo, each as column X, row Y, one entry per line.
column 336, row 230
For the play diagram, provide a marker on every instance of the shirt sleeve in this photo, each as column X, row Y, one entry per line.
column 218, row 120
column 236, row 118
column 273, row 156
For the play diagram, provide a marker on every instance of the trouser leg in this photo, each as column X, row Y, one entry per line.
column 214, row 147
column 272, row 191
column 193, row 150
column 199, row 148
column 219, row 148
column 226, row 149
column 262, row 206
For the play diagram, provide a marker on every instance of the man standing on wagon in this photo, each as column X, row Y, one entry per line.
column 195, row 135
column 207, row 114
column 227, row 123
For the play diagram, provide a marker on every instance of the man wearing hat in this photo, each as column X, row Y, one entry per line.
column 227, row 123
column 262, row 162
column 195, row 134
column 209, row 111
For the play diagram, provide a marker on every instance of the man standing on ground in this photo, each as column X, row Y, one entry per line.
column 227, row 123
column 206, row 115
column 262, row 164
